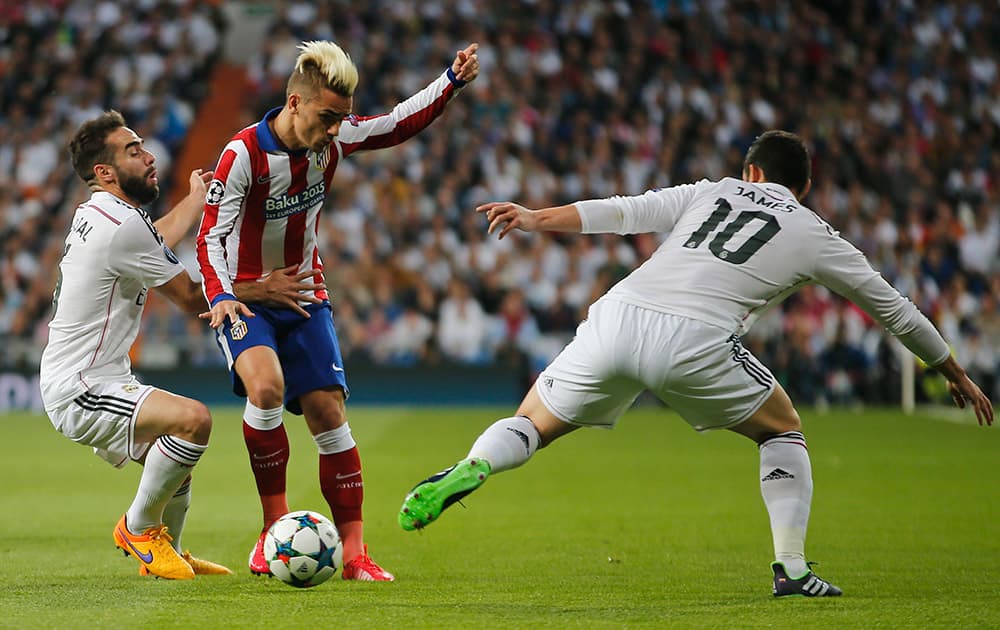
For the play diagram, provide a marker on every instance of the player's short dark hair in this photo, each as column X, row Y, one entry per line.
column 89, row 145
column 783, row 157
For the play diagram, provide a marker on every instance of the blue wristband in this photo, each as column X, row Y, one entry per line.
column 222, row 296
column 455, row 80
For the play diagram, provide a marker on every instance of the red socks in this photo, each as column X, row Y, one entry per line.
column 268, row 452
column 341, row 484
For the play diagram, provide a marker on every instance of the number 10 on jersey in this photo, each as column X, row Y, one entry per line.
column 718, row 244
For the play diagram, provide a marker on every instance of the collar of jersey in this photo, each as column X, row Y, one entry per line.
column 777, row 188
column 267, row 140
column 106, row 196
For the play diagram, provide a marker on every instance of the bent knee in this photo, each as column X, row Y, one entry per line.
column 196, row 422
column 791, row 423
column 325, row 419
column 549, row 427
column 266, row 394
column 776, row 415
column 782, row 421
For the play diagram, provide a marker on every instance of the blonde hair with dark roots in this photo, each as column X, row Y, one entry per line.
column 322, row 64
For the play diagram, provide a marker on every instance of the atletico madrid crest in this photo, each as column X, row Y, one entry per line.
column 322, row 160
column 238, row 330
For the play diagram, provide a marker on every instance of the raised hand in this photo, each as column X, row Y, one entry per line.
column 466, row 64
column 198, row 181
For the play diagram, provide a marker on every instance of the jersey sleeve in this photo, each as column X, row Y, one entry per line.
column 653, row 211
column 844, row 269
column 364, row 133
column 223, row 203
column 137, row 251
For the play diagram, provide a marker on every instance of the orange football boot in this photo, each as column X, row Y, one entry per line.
column 153, row 551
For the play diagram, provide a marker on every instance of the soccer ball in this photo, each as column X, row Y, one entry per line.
column 303, row 549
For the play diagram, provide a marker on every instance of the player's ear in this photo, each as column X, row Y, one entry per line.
column 293, row 102
column 753, row 174
column 104, row 173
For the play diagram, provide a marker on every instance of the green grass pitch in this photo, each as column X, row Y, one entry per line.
column 648, row 525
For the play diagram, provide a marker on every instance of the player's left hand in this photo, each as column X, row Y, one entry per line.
column 466, row 64
column 287, row 287
column 198, row 181
column 964, row 391
column 226, row 308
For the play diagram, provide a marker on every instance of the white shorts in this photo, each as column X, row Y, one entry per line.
column 700, row 370
column 104, row 417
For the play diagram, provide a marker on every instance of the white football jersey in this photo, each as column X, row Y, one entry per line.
column 735, row 248
column 113, row 254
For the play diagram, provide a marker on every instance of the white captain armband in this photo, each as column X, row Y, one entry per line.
column 600, row 216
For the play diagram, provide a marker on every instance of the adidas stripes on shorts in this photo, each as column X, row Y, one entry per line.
column 104, row 417
column 700, row 370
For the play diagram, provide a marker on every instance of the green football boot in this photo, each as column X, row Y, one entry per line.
column 433, row 495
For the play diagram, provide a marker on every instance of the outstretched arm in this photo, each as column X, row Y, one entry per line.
column 506, row 215
column 844, row 269
column 367, row 133
column 174, row 225
column 655, row 210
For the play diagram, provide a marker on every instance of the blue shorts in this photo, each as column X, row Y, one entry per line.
column 307, row 349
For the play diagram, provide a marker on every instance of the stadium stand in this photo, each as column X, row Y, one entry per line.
column 899, row 102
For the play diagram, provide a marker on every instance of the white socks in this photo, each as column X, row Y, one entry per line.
column 786, row 485
column 168, row 462
column 175, row 513
column 506, row 443
column 262, row 419
column 335, row 440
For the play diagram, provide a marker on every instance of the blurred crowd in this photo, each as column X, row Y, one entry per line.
column 61, row 63
column 898, row 100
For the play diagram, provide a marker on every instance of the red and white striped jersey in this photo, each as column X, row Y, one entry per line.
column 262, row 209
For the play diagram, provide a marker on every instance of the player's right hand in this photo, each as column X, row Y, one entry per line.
column 507, row 215
column 226, row 308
